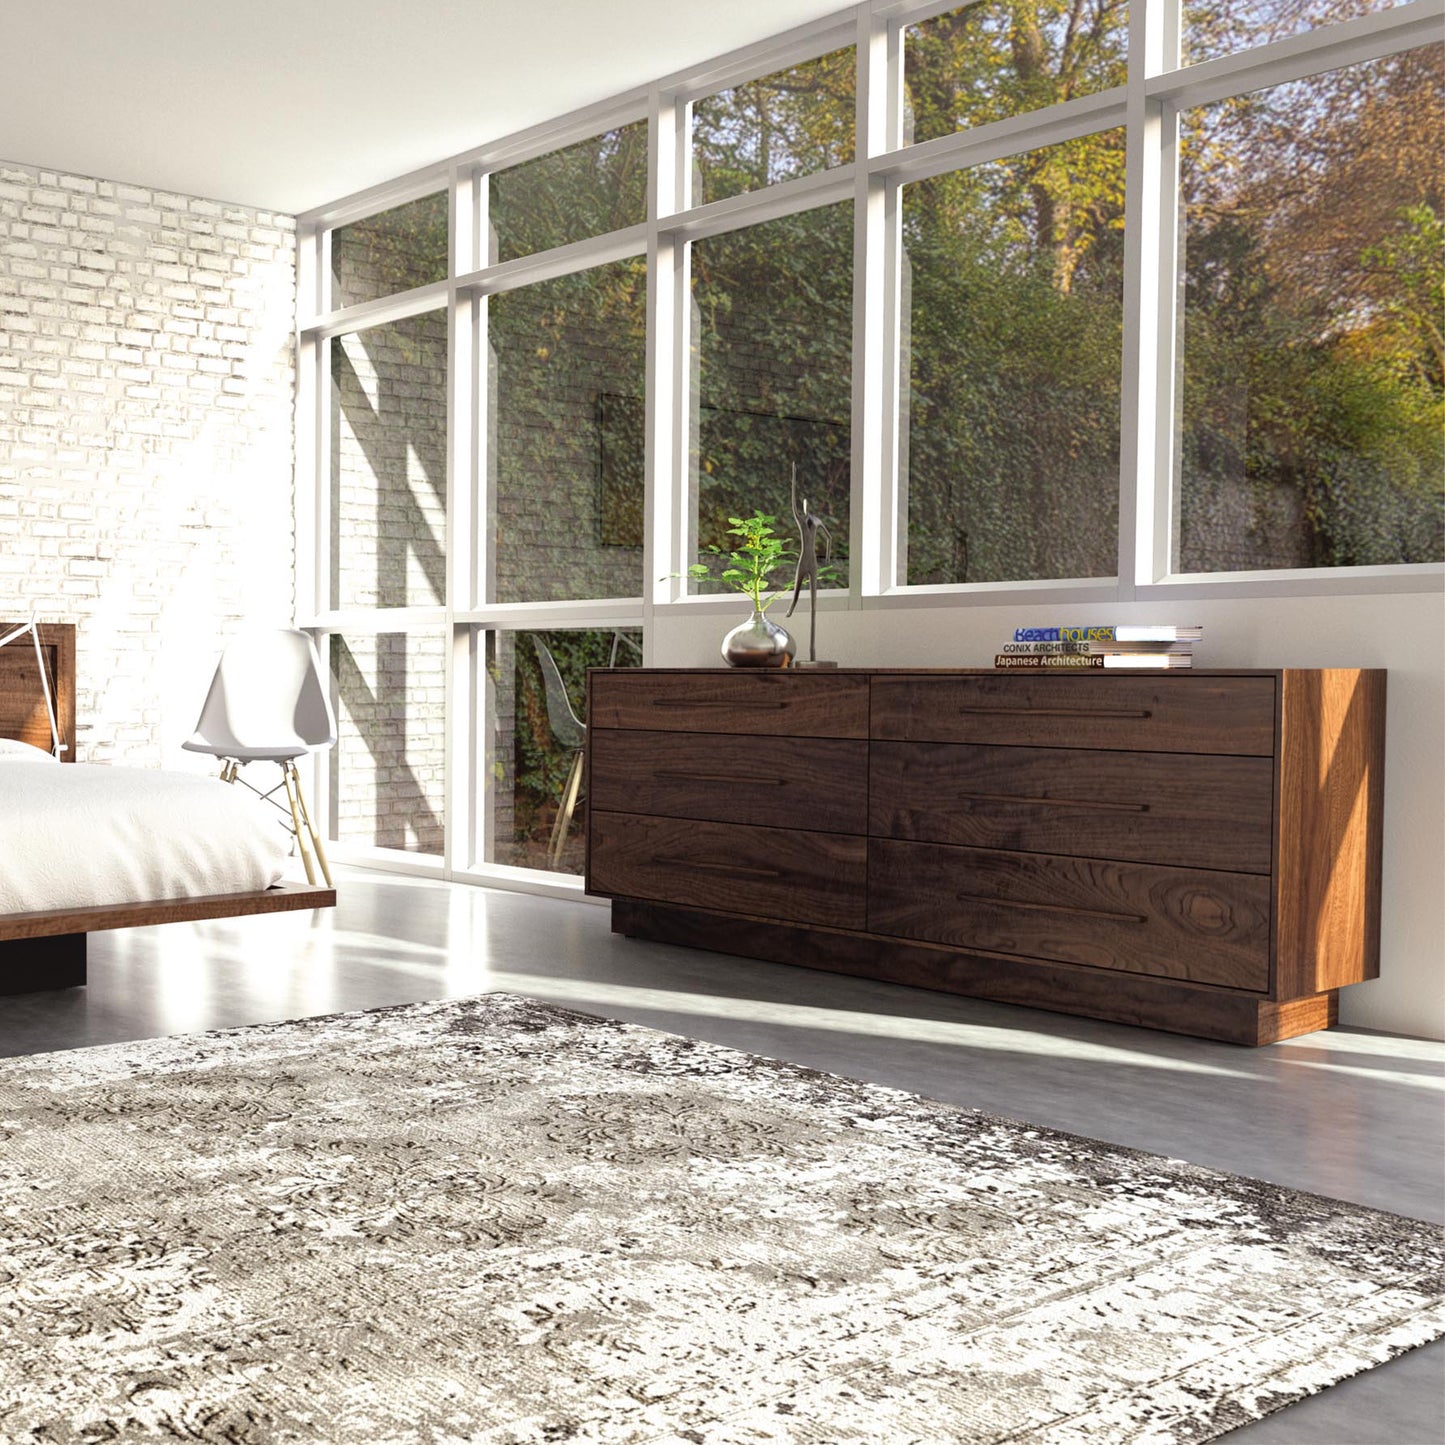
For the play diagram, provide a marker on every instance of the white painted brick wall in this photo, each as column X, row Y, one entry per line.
column 147, row 373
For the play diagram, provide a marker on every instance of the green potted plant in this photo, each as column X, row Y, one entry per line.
column 758, row 642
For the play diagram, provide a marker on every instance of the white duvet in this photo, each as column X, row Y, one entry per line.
column 77, row 835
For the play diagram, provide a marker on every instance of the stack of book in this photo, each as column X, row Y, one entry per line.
column 1125, row 644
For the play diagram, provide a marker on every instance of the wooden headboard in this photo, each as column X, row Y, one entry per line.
column 22, row 699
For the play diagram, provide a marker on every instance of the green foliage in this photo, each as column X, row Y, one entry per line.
column 1312, row 385
column 1410, row 261
column 774, row 313
column 787, row 124
column 587, row 189
column 749, row 566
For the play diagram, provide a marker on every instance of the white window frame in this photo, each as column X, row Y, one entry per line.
column 1157, row 88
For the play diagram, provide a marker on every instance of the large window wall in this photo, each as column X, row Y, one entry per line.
column 1067, row 301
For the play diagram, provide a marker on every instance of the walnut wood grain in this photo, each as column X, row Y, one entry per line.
column 22, row 698
column 279, row 898
column 817, row 783
column 1130, row 713
column 1198, row 852
column 771, row 703
column 1155, row 1003
column 1331, row 795
column 783, row 873
column 1195, row 924
column 1201, row 811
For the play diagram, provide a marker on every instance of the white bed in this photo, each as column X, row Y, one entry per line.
column 86, row 835
column 85, row 847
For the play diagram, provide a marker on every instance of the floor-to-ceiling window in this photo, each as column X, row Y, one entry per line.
column 1079, row 299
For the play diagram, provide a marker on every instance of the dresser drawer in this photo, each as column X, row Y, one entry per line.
column 1126, row 713
column 1194, row 924
column 778, row 703
column 784, row 873
column 1206, row 811
column 727, row 778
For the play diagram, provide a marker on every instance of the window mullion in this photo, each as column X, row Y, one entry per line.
column 667, row 161
column 876, row 496
column 458, row 787
column 1150, row 228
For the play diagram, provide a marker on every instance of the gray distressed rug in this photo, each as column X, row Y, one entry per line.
column 496, row 1220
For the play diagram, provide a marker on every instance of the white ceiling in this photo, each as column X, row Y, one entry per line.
column 290, row 104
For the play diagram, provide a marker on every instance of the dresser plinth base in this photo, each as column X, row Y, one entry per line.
column 1171, row 1005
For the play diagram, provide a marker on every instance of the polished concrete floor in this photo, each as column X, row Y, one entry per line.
column 1348, row 1114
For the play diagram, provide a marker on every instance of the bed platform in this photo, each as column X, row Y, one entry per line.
column 47, row 949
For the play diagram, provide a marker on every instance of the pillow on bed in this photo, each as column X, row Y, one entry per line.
column 12, row 750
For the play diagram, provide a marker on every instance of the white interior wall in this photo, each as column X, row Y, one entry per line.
column 1400, row 633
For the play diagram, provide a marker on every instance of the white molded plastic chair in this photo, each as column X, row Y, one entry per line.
column 268, row 703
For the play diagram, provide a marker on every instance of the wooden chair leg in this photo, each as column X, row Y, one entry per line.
column 564, row 813
column 292, row 784
column 311, row 828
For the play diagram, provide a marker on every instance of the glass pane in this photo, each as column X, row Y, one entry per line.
column 1219, row 27
column 588, row 189
column 387, row 765
column 772, row 317
column 790, row 124
column 1312, row 395
column 1010, row 412
column 388, row 464
column 391, row 252
column 535, row 732
column 569, row 370
column 996, row 58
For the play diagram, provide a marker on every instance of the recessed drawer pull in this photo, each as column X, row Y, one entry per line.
column 1052, row 908
column 679, row 704
column 735, row 870
column 1087, row 713
column 1055, row 802
column 722, row 778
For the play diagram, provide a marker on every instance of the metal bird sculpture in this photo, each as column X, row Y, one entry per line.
column 809, row 525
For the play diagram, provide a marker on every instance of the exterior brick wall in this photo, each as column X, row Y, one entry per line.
column 388, row 464
column 146, row 459
column 387, row 779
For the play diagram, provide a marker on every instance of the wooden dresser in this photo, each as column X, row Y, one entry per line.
column 1197, row 852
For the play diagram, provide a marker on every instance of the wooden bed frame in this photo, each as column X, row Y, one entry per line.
column 46, row 949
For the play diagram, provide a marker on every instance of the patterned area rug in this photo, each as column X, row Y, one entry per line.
column 495, row 1220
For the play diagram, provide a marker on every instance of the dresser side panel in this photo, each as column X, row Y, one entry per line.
column 1330, row 835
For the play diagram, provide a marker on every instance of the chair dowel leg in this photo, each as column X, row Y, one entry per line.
column 553, row 846
column 564, row 814
column 292, row 787
column 311, row 829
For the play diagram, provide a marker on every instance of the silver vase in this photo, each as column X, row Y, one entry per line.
column 758, row 643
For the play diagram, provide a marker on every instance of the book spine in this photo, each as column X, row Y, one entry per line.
column 1046, row 648
column 1108, row 632
column 1136, row 647
column 1041, row 661
column 1064, row 634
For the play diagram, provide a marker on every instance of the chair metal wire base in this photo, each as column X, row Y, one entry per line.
column 302, row 828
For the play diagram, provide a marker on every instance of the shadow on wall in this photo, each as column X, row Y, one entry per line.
column 386, row 767
column 388, row 464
